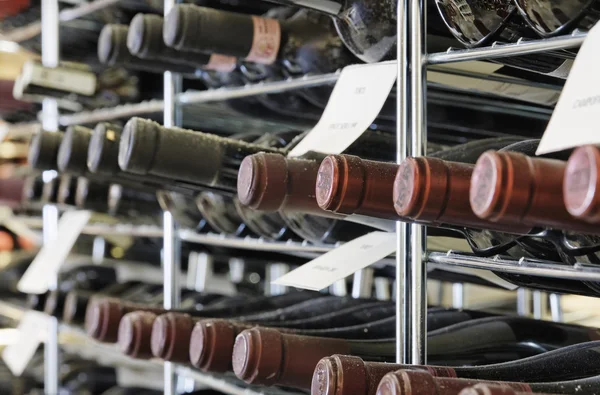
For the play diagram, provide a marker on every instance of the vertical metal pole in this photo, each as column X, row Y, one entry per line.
column 172, row 243
column 540, row 304
column 276, row 270
column 411, row 328
column 50, row 58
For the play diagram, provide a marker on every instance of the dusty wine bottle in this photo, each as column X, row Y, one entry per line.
column 516, row 189
column 43, row 150
column 72, row 153
column 257, row 39
column 144, row 40
column 581, row 184
column 113, row 51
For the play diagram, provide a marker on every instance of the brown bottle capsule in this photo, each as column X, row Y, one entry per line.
column 272, row 182
column 347, row 184
column 103, row 316
column 432, row 190
column 350, row 375
column 513, row 188
column 212, row 343
column 135, row 330
column 581, row 186
column 418, row 382
column 487, row 389
column 171, row 336
column 266, row 356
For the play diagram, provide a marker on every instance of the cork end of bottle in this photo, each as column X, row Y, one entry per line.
column 485, row 193
column 407, row 382
column 135, row 35
column 81, row 192
column 257, row 356
column 37, row 301
column 170, row 338
column 71, row 308
column 581, row 183
column 137, row 145
column 408, row 188
column 102, row 319
column 112, row 47
column 72, row 153
column 43, row 150
column 330, row 179
column 52, row 302
column 98, row 155
column 212, row 344
column 262, row 181
column 325, row 378
column 134, row 333
column 485, row 389
column 173, row 27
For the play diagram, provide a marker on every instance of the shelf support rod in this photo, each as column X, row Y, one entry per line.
column 411, row 326
column 50, row 58
column 171, row 241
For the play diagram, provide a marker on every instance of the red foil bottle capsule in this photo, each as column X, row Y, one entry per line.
column 581, row 186
column 347, row 184
column 433, row 191
column 517, row 189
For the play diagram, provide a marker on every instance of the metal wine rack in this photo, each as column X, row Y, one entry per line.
column 412, row 256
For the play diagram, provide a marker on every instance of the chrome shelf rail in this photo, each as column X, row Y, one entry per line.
column 192, row 97
column 498, row 50
column 578, row 271
column 35, row 28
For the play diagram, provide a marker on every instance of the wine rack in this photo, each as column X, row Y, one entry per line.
column 413, row 60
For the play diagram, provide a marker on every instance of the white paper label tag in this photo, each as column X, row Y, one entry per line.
column 576, row 116
column 355, row 102
column 48, row 261
column 31, row 329
column 340, row 262
column 60, row 78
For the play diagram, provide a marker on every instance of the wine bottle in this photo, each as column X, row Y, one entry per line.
column 113, row 51
column 103, row 149
column 144, row 40
column 367, row 28
column 345, row 374
column 254, row 366
column 149, row 148
column 43, row 150
column 253, row 38
column 173, row 331
column 489, row 389
column 422, row 382
column 66, row 192
column 560, row 17
column 348, row 184
column 212, row 341
column 72, row 153
column 580, row 189
column 103, row 314
column 533, row 195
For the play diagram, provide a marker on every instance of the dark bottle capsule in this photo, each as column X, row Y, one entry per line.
column 347, row 184
column 73, row 150
column 581, row 186
column 113, row 51
column 103, row 149
column 145, row 40
column 517, row 189
column 200, row 158
column 43, row 150
column 67, row 190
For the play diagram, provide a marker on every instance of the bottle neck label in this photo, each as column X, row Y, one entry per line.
column 223, row 63
column 266, row 40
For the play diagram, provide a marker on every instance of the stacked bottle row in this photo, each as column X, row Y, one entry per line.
column 336, row 345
